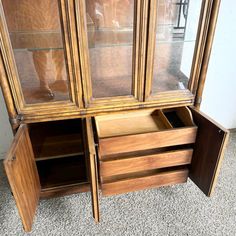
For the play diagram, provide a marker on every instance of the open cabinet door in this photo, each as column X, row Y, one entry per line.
column 90, row 153
column 23, row 177
column 208, row 152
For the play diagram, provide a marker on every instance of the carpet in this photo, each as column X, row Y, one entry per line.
column 176, row 210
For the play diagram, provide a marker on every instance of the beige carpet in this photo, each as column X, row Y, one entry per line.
column 177, row 210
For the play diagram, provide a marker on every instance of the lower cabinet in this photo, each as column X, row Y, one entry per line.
column 51, row 159
column 119, row 152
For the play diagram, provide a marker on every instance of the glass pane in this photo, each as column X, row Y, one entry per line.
column 110, row 38
column 177, row 24
column 36, row 37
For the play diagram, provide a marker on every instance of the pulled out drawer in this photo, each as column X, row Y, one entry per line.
column 144, row 130
column 144, row 149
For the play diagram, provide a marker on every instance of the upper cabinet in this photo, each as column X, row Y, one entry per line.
column 80, row 56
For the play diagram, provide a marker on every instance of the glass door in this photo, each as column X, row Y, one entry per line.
column 112, row 35
column 175, row 42
column 40, row 50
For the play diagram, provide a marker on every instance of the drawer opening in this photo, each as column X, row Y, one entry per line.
column 137, row 122
column 179, row 117
column 173, row 118
column 56, row 139
column 141, row 122
column 60, row 172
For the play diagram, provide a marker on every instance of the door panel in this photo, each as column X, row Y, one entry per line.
column 110, row 27
column 23, row 177
column 177, row 37
column 92, row 165
column 110, row 35
column 208, row 152
column 36, row 39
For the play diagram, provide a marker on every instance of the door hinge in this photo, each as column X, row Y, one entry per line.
column 198, row 101
column 16, row 121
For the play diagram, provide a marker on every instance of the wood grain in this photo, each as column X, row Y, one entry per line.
column 138, row 142
column 23, row 176
column 92, row 162
column 61, row 191
column 208, row 152
column 149, row 162
column 145, row 182
column 129, row 123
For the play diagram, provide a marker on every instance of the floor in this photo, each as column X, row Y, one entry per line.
column 177, row 210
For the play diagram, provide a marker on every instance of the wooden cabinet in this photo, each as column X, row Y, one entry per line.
column 105, row 95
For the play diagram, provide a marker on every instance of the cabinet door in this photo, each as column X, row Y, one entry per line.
column 208, row 152
column 92, row 165
column 110, row 36
column 178, row 32
column 23, row 177
column 37, row 47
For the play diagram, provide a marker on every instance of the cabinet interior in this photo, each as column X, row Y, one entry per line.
column 138, row 122
column 144, row 149
column 59, row 153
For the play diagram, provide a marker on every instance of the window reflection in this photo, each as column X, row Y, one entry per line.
column 35, row 32
column 110, row 37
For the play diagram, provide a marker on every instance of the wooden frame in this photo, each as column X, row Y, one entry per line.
column 140, row 15
column 76, row 40
column 69, row 39
column 207, row 20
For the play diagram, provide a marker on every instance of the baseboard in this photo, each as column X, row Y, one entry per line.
column 232, row 130
column 2, row 155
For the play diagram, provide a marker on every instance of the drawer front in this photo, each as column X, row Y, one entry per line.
column 139, row 142
column 147, row 162
column 145, row 182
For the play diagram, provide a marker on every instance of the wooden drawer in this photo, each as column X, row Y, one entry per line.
column 143, row 180
column 144, row 130
column 137, row 150
column 136, row 163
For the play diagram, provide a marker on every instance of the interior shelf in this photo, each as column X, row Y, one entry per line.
column 51, row 140
column 62, row 172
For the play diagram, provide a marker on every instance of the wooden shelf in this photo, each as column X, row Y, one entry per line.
column 56, row 139
column 57, row 173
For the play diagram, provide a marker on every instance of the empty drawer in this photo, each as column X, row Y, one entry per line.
column 144, row 130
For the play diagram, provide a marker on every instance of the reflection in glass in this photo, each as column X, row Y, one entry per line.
column 177, row 22
column 110, row 38
column 35, row 34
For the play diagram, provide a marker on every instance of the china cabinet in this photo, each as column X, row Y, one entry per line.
column 104, row 95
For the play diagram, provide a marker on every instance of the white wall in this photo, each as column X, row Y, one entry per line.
column 6, row 136
column 219, row 96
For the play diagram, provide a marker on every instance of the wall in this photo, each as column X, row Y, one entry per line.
column 219, row 96
column 6, row 136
